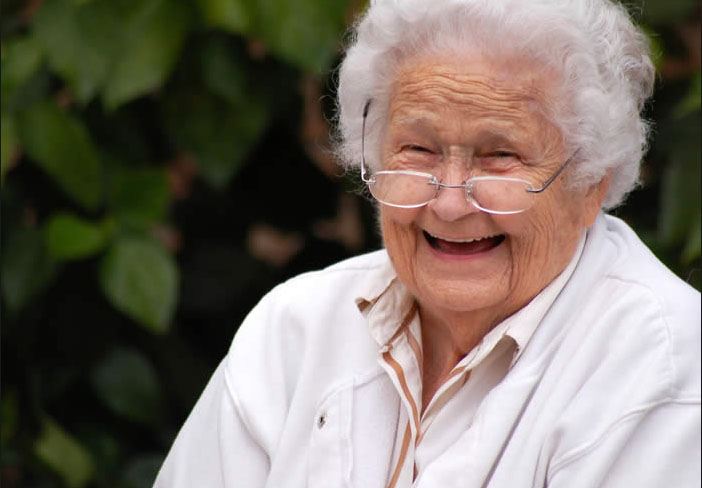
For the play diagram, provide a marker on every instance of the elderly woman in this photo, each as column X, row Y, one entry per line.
column 510, row 334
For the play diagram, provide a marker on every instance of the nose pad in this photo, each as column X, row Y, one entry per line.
column 452, row 204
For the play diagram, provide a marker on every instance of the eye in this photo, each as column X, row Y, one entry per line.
column 499, row 160
column 502, row 154
column 417, row 148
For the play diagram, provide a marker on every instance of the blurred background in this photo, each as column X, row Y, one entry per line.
column 164, row 164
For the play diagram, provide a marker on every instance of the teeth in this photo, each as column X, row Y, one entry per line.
column 463, row 241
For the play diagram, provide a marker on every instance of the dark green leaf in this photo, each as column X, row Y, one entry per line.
column 80, row 40
column 692, row 101
column 137, row 196
column 142, row 471
column 127, row 384
column 8, row 142
column 224, row 71
column 21, row 58
column 231, row 15
column 71, row 237
column 64, row 454
column 61, row 146
column 693, row 246
column 140, row 279
column 657, row 48
column 677, row 209
column 658, row 12
column 680, row 195
column 218, row 134
column 106, row 450
column 304, row 33
column 9, row 415
column 153, row 36
column 26, row 267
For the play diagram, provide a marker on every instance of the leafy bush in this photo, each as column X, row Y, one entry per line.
column 164, row 163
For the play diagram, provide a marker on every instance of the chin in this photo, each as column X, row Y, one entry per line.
column 462, row 295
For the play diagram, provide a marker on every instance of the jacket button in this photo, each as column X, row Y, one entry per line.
column 321, row 420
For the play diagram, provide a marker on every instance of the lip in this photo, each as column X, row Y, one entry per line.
column 431, row 241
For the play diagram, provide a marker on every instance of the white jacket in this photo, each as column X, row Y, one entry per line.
column 606, row 393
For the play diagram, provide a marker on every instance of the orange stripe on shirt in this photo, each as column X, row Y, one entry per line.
column 401, row 459
column 405, row 389
column 416, row 348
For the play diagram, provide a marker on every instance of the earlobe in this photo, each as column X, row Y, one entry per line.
column 593, row 199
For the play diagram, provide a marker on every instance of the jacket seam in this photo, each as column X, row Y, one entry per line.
column 234, row 399
column 585, row 449
column 671, row 372
column 352, row 381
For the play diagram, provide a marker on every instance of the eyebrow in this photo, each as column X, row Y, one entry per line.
column 492, row 137
column 483, row 135
column 414, row 122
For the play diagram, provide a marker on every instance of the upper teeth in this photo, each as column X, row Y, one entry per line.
column 463, row 241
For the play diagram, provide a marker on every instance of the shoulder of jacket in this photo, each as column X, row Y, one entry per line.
column 348, row 278
column 315, row 307
column 639, row 310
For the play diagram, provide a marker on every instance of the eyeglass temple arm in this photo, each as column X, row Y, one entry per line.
column 553, row 176
column 364, row 175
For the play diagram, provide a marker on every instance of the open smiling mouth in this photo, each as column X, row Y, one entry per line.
column 464, row 247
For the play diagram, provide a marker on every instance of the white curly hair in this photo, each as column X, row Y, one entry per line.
column 603, row 60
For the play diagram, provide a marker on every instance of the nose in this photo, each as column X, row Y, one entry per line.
column 451, row 204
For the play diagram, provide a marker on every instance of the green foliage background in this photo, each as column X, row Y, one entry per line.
column 164, row 164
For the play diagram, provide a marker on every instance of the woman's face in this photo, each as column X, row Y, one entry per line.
column 458, row 120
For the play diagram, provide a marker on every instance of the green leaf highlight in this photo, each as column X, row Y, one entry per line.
column 71, row 237
column 80, row 41
column 21, row 58
column 62, row 147
column 152, row 39
column 137, row 196
column 140, row 279
column 64, row 455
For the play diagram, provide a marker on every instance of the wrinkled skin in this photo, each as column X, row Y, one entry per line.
column 458, row 120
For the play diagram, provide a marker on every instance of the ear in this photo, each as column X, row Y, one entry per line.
column 594, row 197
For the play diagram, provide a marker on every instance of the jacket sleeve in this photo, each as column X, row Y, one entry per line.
column 214, row 448
column 648, row 448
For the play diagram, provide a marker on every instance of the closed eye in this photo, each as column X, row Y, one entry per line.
column 499, row 160
column 498, row 156
column 502, row 154
column 415, row 147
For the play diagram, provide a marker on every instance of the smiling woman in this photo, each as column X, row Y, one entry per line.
column 468, row 268
column 510, row 334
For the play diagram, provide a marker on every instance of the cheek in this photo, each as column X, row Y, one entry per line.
column 399, row 233
column 541, row 239
column 394, row 221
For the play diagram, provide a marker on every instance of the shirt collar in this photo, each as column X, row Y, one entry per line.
column 385, row 304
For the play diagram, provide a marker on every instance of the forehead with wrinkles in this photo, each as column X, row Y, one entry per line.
column 426, row 91
column 476, row 83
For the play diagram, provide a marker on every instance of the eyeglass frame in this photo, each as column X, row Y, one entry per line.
column 367, row 179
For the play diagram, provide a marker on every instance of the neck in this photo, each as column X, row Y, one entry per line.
column 446, row 339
